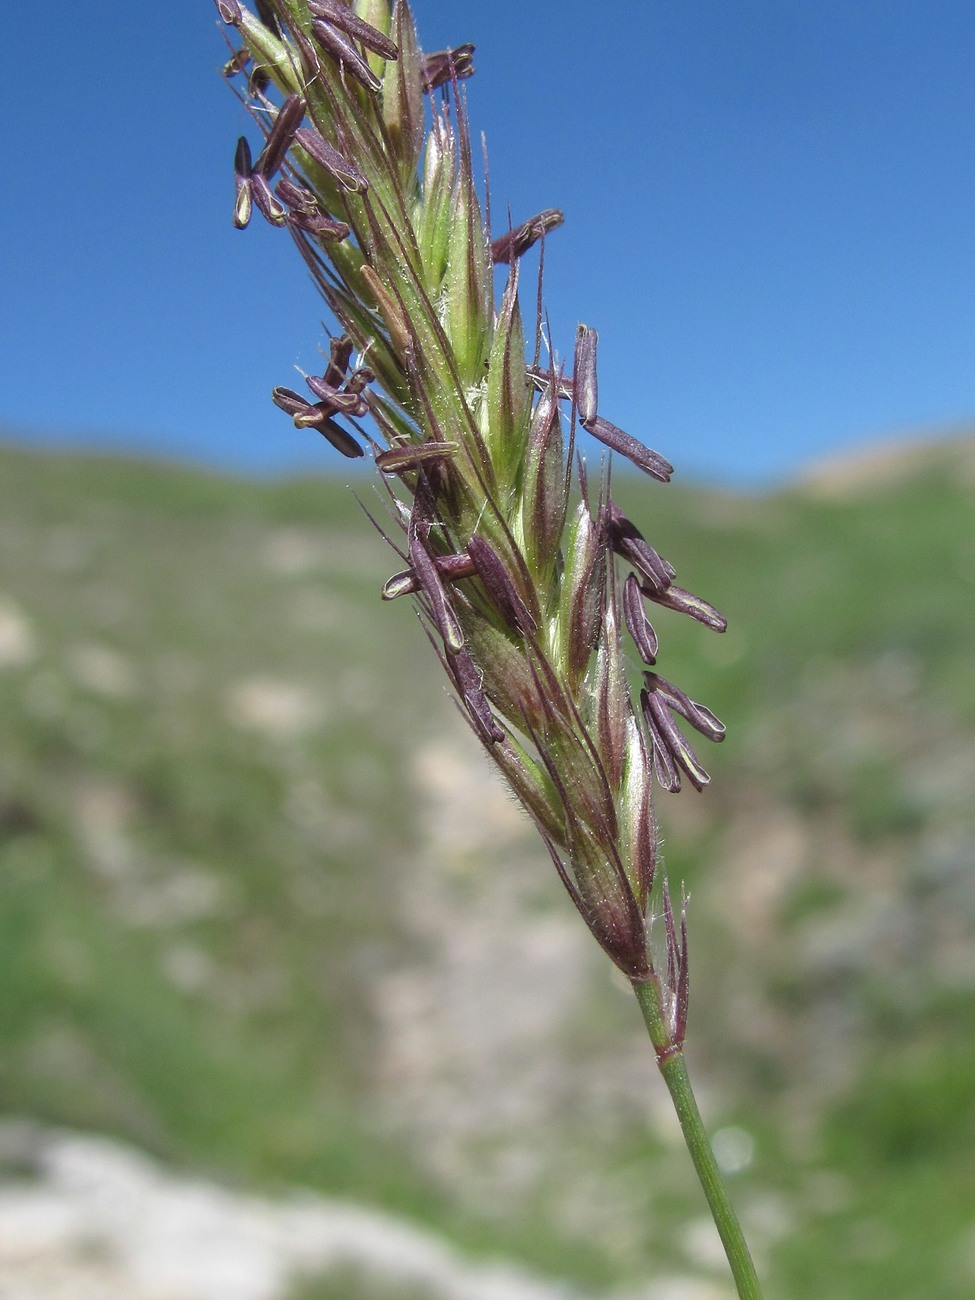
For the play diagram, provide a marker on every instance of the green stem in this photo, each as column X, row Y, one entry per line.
column 673, row 1067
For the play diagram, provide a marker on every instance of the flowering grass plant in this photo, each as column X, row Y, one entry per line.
column 534, row 588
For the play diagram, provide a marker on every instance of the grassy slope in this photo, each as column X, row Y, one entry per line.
column 207, row 808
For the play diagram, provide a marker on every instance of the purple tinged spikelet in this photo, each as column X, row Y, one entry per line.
column 582, row 593
column 590, row 810
column 545, row 494
column 596, row 878
column 501, row 588
column 532, row 788
column 508, row 396
column 467, row 280
column 391, row 312
column 508, row 680
column 523, row 588
column 611, row 913
column 402, row 97
column 612, row 697
column 676, row 980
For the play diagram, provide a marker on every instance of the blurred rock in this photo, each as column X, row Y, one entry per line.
column 85, row 1218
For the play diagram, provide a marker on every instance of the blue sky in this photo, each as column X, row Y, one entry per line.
column 770, row 210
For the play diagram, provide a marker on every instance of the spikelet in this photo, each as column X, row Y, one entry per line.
column 527, row 588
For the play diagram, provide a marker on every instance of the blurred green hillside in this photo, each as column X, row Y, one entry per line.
column 265, row 911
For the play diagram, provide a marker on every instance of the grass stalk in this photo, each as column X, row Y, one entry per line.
column 673, row 1068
